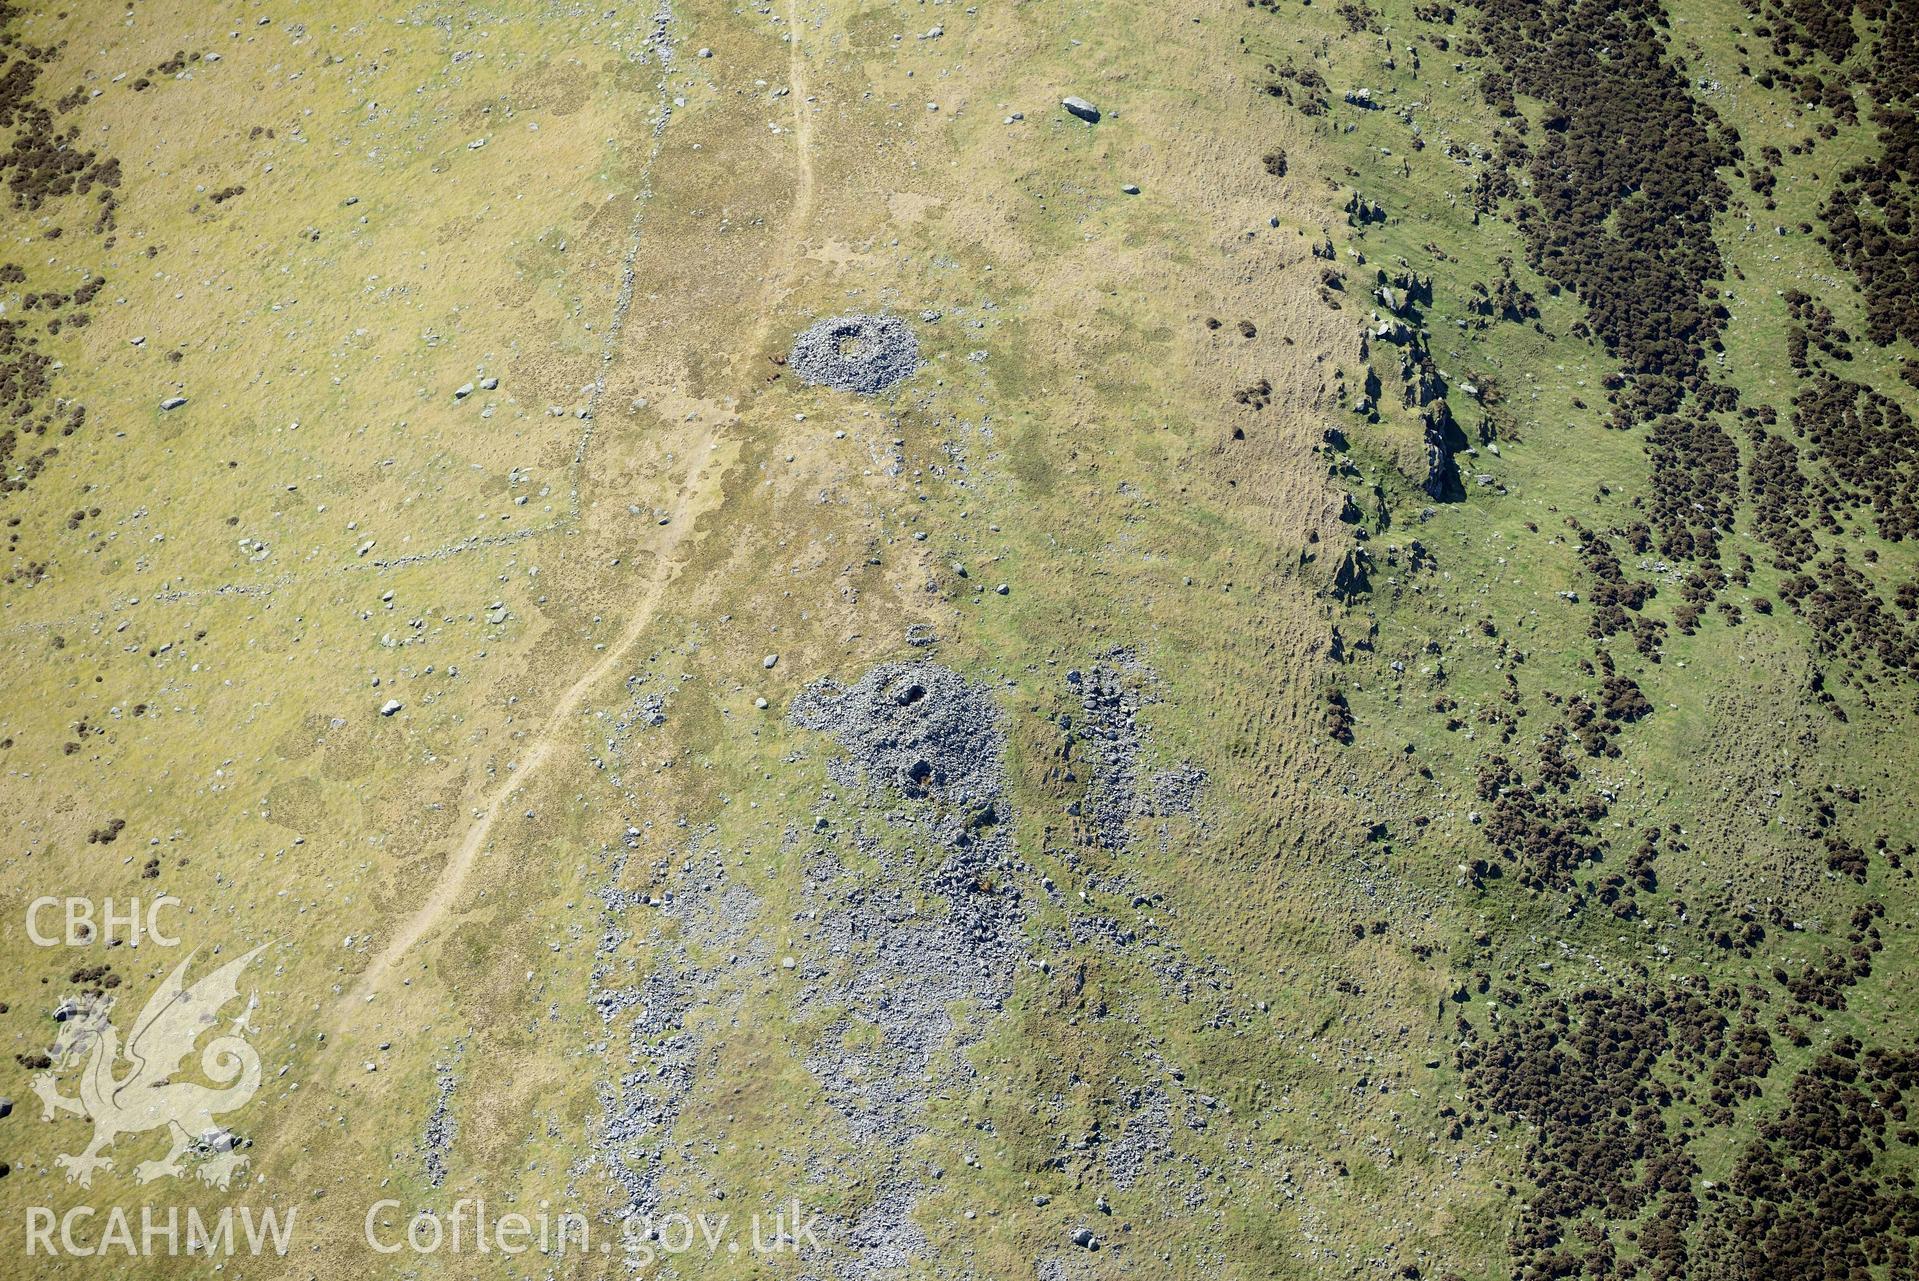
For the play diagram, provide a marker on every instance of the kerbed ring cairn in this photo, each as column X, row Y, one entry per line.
column 856, row 352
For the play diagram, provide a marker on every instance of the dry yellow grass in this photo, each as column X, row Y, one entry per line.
column 445, row 861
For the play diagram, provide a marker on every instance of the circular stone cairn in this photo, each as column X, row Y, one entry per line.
column 858, row 353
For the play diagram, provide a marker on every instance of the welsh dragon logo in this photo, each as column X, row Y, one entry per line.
column 161, row 1041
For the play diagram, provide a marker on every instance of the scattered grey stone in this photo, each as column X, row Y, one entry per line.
column 1083, row 109
column 1177, row 790
column 172, row 403
column 856, row 352
column 463, row 391
column 439, row 1123
column 391, row 706
column 1111, row 694
column 916, row 726
column 1145, row 1142
column 641, row 1106
column 937, row 946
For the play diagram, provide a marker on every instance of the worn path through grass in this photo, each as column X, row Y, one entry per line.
column 699, row 494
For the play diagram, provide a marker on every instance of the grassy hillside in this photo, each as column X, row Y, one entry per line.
column 1350, row 718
